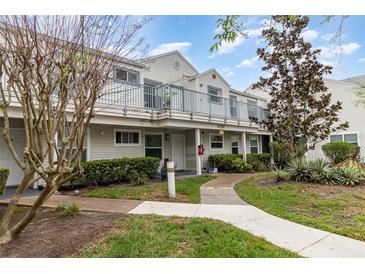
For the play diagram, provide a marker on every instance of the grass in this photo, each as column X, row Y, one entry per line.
column 187, row 190
column 151, row 236
column 68, row 210
column 336, row 209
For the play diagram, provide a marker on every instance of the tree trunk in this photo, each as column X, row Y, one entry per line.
column 10, row 209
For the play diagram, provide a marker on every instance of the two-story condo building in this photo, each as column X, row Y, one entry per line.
column 345, row 91
column 163, row 108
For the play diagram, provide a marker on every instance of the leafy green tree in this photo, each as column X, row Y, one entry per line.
column 301, row 111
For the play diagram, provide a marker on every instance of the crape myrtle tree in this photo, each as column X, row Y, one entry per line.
column 54, row 68
column 301, row 111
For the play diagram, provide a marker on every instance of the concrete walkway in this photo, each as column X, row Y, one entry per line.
column 221, row 190
column 305, row 241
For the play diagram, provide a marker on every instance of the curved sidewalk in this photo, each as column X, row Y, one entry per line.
column 305, row 241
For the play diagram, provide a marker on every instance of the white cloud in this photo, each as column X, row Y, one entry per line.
column 248, row 62
column 227, row 47
column 346, row 49
column 361, row 60
column 310, row 35
column 228, row 72
column 327, row 63
column 163, row 48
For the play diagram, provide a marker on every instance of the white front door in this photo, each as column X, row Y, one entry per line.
column 6, row 159
column 178, row 151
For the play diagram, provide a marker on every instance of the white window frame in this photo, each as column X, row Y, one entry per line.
column 162, row 143
column 258, row 145
column 342, row 134
column 253, row 103
column 129, row 131
column 238, row 143
column 210, row 141
column 219, row 95
column 128, row 72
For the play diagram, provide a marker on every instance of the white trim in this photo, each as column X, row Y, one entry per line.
column 345, row 133
column 258, row 145
column 238, row 140
column 210, row 142
column 162, row 143
column 127, row 130
column 172, row 148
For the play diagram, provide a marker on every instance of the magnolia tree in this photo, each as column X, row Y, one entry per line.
column 54, row 69
column 301, row 110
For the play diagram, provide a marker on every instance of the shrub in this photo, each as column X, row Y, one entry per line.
column 259, row 162
column 349, row 176
column 280, row 154
column 279, row 174
column 337, row 152
column 223, row 162
column 238, row 165
column 318, row 170
column 137, row 178
column 68, row 210
column 299, row 170
column 4, row 174
column 104, row 172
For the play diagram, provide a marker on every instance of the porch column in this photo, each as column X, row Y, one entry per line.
column 272, row 158
column 197, row 156
column 244, row 147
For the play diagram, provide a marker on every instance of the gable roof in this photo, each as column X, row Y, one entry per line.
column 357, row 79
column 172, row 53
column 209, row 71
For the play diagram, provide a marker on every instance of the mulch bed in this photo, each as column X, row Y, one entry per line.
column 50, row 235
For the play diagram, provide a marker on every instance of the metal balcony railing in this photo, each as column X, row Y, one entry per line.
column 177, row 99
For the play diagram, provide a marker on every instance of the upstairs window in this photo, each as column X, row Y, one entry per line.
column 214, row 95
column 126, row 75
column 252, row 106
column 352, row 138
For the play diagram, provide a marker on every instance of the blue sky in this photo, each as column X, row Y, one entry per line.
column 193, row 35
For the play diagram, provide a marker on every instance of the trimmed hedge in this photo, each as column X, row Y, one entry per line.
column 105, row 172
column 259, row 162
column 4, row 174
column 223, row 162
column 337, row 152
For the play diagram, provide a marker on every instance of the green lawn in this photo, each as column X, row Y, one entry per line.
column 337, row 209
column 187, row 190
column 154, row 236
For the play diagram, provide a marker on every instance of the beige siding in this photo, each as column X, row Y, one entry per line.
column 162, row 69
column 346, row 93
column 102, row 145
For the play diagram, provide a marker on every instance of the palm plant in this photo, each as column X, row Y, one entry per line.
column 298, row 170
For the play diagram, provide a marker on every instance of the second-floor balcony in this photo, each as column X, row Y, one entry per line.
column 172, row 99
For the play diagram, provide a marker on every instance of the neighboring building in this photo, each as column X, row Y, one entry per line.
column 344, row 91
column 165, row 109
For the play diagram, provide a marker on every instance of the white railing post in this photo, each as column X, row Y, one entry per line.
column 171, row 179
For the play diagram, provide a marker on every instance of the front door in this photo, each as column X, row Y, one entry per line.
column 178, row 151
column 7, row 160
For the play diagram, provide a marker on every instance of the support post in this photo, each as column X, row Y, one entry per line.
column 272, row 158
column 197, row 156
column 171, row 179
column 244, row 146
